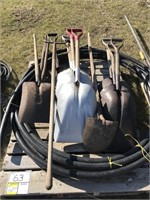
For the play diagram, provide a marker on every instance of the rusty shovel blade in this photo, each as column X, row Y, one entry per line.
column 34, row 105
column 98, row 134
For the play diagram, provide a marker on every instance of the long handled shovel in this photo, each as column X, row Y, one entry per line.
column 98, row 132
column 76, row 99
column 35, row 95
column 128, row 109
column 117, row 100
column 108, row 93
column 51, row 123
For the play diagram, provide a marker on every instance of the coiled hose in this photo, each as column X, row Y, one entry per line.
column 67, row 164
column 5, row 71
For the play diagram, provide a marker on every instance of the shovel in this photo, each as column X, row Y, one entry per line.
column 108, row 93
column 35, row 95
column 117, row 101
column 128, row 108
column 76, row 99
column 53, row 38
column 98, row 132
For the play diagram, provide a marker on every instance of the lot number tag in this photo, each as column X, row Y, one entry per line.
column 18, row 183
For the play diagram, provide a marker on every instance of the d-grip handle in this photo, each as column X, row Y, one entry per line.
column 112, row 39
column 75, row 33
column 52, row 37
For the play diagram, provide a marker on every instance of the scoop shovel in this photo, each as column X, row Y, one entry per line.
column 35, row 95
column 76, row 99
column 98, row 132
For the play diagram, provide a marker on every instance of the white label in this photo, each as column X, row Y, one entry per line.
column 18, row 183
column 19, row 177
column 23, row 188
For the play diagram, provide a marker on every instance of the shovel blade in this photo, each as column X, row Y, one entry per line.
column 128, row 110
column 98, row 135
column 34, row 105
column 74, row 106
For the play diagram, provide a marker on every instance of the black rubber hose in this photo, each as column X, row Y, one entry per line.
column 28, row 148
column 98, row 174
column 28, row 74
column 28, row 137
column 5, row 71
column 73, row 161
column 43, row 149
column 71, row 165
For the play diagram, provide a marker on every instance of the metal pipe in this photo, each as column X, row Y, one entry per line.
column 139, row 42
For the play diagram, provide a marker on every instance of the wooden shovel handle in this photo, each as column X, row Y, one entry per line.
column 37, row 69
column 44, row 60
column 66, row 39
column 99, row 106
column 51, row 123
column 75, row 34
column 91, row 60
column 72, row 52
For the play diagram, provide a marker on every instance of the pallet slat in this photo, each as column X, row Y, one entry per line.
column 14, row 149
column 12, row 163
column 61, row 185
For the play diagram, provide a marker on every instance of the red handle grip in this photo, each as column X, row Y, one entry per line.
column 72, row 32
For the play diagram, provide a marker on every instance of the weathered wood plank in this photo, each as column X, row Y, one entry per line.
column 137, row 181
column 13, row 138
column 24, row 162
column 14, row 149
column 40, row 125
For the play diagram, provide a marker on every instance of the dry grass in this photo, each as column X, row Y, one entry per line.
column 104, row 18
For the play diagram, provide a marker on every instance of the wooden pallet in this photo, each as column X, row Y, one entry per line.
column 17, row 162
column 21, row 176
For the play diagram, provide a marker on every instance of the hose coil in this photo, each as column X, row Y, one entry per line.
column 67, row 164
column 5, row 71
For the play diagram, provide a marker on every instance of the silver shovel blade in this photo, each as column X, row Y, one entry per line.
column 74, row 106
